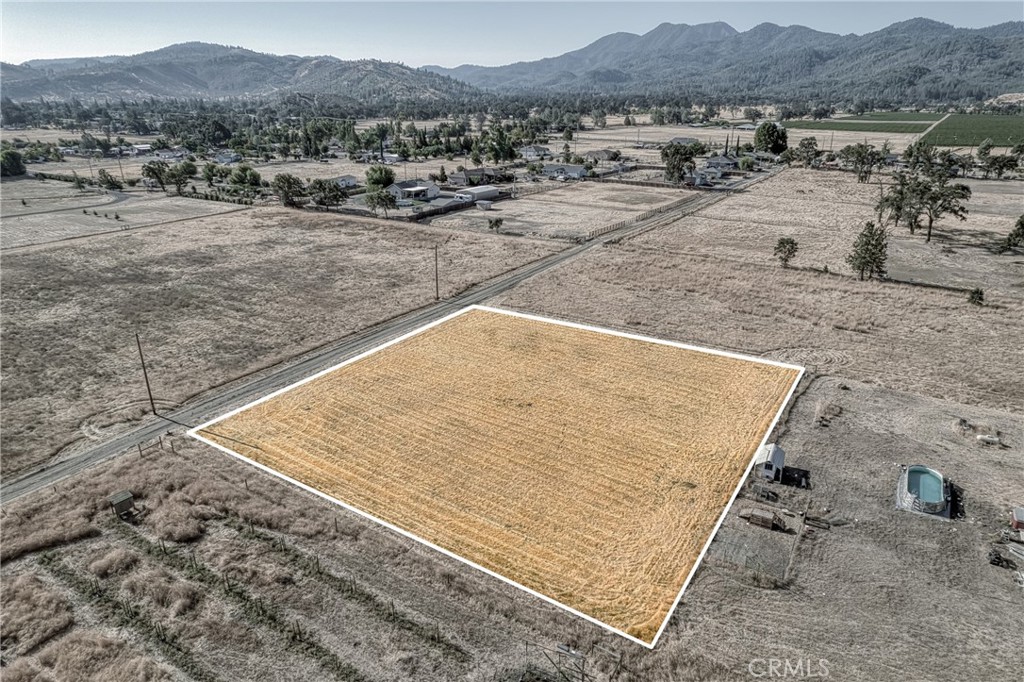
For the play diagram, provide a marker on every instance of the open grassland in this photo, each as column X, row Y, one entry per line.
column 22, row 195
column 50, row 219
column 869, row 126
column 567, row 212
column 962, row 130
column 466, row 435
column 213, row 299
column 824, row 212
column 834, row 140
column 394, row 608
column 305, row 169
column 894, row 335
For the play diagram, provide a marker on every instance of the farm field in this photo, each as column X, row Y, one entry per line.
column 194, row 291
column 567, row 212
column 466, row 434
column 56, row 218
column 893, row 116
column 859, row 126
column 963, row 130
column 824, row 212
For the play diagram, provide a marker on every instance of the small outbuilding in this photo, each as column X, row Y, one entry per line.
column 769, row 462
column 472, row 194
column 1017, row 518
column 122, row 503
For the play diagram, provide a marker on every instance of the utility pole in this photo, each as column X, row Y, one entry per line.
column 437, row 280
column 145, row 374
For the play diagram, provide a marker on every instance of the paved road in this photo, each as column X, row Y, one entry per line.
column 222, row 399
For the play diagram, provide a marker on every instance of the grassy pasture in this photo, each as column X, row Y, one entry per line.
column 972, row 129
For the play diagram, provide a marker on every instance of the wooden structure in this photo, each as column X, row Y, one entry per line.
column 766, row 519
column 123, row 504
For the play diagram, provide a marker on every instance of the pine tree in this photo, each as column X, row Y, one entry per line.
column 869, row 251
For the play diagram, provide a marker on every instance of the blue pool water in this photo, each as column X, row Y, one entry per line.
column 925, row 484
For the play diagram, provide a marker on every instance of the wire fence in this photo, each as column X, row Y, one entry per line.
column 639, row 218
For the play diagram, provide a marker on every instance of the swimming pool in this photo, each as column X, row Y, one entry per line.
column 924, row 490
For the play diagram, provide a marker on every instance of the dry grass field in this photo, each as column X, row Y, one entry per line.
column 249, row 578
column 213, row 299
column 824, row 211
column 306, row 169
column 567, row 212
column 875, row 595
column 482, row 435
column 892, row 335
column 56, row 217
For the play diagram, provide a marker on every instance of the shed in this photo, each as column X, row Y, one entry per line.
column 484, row 205
column 122, row 502
column 477, row 193
column 1017, row 518
column 769, row 462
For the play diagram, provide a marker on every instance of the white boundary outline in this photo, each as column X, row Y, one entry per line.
column 194, row 432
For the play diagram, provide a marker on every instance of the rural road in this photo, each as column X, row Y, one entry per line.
column 240, row 392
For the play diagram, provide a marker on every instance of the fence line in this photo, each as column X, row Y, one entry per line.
column 678, row 203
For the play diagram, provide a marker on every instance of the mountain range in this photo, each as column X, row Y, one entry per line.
column 911, row 61
column 919, row 58
column 216, row 71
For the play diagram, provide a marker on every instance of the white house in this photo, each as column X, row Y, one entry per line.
column 138, row 149
column 347, row 181
column 534, row 152
column 769, row 462
column 420, row 190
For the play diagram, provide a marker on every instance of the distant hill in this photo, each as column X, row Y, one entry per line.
column 214, row 71
column 912, row 60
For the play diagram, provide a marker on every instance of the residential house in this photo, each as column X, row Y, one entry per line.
column 534, row 152
column 347, row 181
column 472, row 176
column 565, row 170
column 418, row 190
column 723, row 162
column 683, row 140
column 602, row 155
column 228, row 157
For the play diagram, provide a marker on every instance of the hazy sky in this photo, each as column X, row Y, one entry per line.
column 425, row 32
